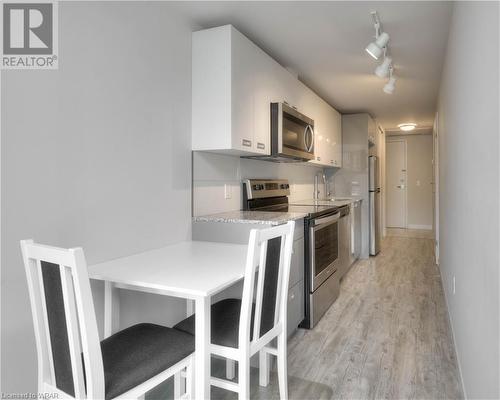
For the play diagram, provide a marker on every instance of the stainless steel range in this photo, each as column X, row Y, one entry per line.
column 322, row 257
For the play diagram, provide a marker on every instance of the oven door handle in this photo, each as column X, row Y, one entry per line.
column 327, row 220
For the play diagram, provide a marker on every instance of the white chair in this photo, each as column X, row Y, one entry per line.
column 239, row 328
column 72, row 362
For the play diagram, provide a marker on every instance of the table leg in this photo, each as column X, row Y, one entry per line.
column 111, row 309
column 202, row 352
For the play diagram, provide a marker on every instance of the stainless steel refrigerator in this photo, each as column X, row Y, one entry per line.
column 374, row 200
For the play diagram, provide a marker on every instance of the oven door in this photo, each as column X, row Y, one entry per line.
column 324, row 248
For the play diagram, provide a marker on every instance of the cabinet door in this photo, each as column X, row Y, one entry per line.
column 337, row 139
column 320, row 133
column 297, row 262
column 268, row 88
column 291, row 88
column 328, row 143
column 242, row 98
column 306, row 100
column 295, row 307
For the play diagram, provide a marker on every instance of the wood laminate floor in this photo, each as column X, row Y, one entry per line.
column 386, row 337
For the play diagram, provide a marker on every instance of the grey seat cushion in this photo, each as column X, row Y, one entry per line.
column 136, row 354
column 225, row 323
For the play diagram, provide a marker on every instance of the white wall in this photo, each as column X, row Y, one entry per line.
column 418, row 179
column 211, row 172
column 469, row 192
column 95, row 154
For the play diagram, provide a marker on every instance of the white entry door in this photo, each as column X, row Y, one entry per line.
column 395, row 153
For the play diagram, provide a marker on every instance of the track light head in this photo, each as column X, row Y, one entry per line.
column 373, row 50
column 376, row 48
column 382, row 71
column 390, row 86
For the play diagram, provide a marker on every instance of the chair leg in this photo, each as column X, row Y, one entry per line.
column 230, row 369
column 264, row 364
column 190, row 381
column 282, row 367
column 244, row 378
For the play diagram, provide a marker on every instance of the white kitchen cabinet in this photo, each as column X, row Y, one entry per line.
column 270, row 86
column 328, row 135
column 336, row 139
column 242, row 92
column 239, row 233
column 320, row 117
column 297, row 262
column 234, row 83
column 223, row 93
column 295, row 307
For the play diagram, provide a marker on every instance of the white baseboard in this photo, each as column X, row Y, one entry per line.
column 450, row 321
column 426, row 227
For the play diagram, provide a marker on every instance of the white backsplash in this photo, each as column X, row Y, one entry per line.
column 211, row 172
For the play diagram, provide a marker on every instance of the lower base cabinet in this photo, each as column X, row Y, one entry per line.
column 239, row 233
column 295, row 307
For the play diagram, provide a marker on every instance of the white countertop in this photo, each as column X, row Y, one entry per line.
column 252, row 217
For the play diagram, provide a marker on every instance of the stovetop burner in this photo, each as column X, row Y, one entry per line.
column 272, row 195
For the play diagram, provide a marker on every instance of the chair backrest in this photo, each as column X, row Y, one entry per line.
column 266, row 279
column 64, row 321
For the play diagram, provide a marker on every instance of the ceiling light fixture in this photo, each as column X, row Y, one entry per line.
column 390, row 85
column 408, row 126
column 376, row 48
column 382, row 71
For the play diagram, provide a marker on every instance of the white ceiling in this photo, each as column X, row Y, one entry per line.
column 324, row 43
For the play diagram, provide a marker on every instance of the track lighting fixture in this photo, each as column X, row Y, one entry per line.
column 390, row 85
column 376, row 48
column 382, row 71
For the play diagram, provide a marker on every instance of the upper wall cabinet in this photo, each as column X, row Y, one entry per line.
column 234, row 83
column 328, row 135
column 222, row 92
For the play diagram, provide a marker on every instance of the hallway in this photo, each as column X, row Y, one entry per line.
column 386, row 337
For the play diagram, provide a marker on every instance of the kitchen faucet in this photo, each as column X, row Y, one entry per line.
column 316, row 186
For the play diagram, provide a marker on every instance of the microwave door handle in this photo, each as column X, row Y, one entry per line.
column 305, row 136
column 309, row 130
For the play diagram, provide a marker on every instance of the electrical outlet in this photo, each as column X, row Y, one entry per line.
column 454, row 286
column 227, row 191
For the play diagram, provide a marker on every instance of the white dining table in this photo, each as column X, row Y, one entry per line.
column 193, row 270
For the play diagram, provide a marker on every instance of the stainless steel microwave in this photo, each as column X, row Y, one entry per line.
column 292, row 134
